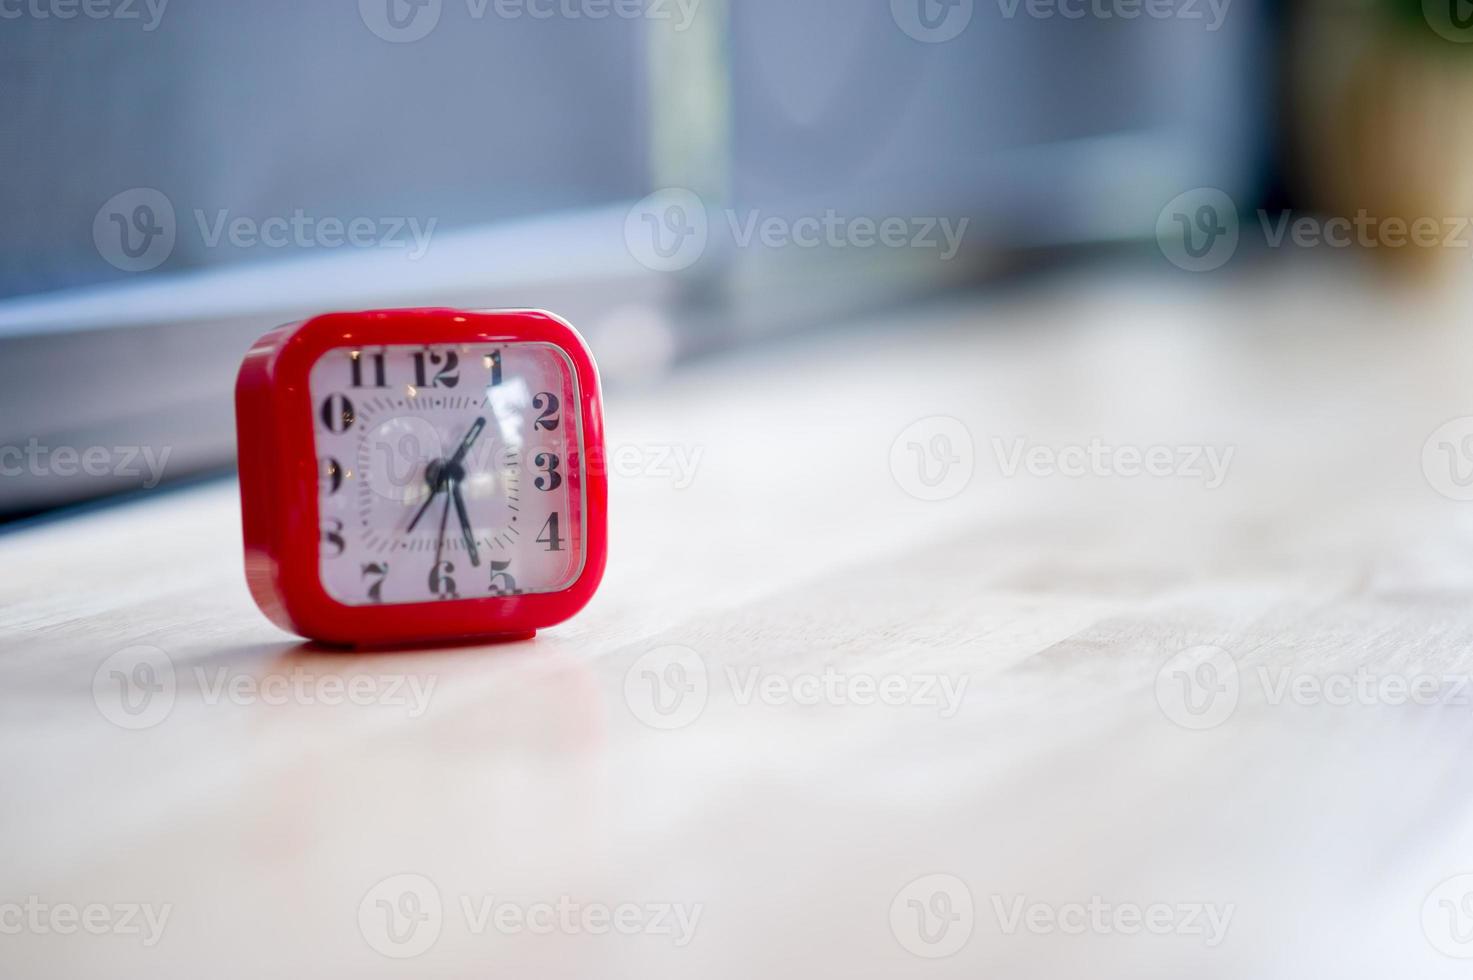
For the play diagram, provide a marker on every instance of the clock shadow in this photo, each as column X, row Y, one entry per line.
column 316, row 648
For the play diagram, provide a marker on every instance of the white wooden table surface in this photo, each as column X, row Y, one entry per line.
column 1097, row 726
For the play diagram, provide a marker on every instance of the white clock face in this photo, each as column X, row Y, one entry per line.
column 447, row 472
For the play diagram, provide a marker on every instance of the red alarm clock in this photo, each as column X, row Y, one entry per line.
column 420, row 475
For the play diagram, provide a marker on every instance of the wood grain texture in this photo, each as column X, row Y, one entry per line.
column 1050, row 605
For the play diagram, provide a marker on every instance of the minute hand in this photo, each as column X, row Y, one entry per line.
column 466, row 443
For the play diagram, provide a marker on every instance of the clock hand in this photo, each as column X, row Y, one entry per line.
column 466, row 443
column 434, row 477
column 440, row 541
column 437, row 472
column 465, row 523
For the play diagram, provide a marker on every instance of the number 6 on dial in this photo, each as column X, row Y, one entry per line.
column 421, row 475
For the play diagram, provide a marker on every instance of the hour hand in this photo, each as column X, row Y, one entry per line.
column 435, row 489
column 465, row 524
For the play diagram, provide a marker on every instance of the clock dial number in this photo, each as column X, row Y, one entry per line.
column 332, row 536
column 446, row 375
column 493, row 364
column 502, row 582
column 375, row 573
column 549, row 534
column 546, row 403
column 548, row 464
column 376, row 369
column 338, row 414
column 441, row 584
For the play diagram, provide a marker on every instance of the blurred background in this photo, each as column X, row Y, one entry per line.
column 1016, row 249
column 676, row 177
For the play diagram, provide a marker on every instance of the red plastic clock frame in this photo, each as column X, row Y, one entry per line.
column 279, row 480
